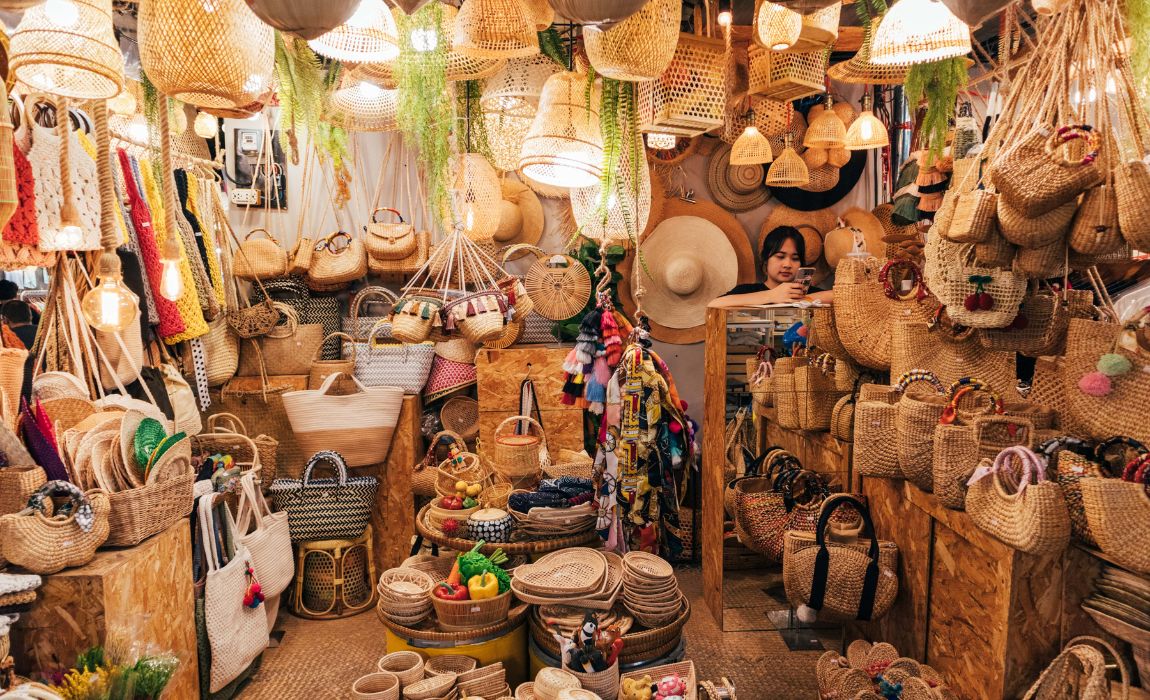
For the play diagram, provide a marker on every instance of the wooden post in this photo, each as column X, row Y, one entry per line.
column 393, row 519
column 714, row 420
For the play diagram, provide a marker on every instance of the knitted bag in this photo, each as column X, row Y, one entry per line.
column 45, row 160
column 1011, row 499
column 22, row 228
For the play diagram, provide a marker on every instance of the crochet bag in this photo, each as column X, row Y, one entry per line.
column 267, row 537
column 1035, row 175
column 390, row 241
column 840, row 580
column 1011, row 499
column 326, row 509
column 1118, row 512
column 260, row 258
column 45, row 544
column 46, row 158
column 979, row 297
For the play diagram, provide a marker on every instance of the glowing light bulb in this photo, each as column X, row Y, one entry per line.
column 370, row 91
column 62, row 13
column 364, row 15
column 254, row 83
column 206, row 126
column 612, row 201
column 69, row 237
column 469, row 218
column 138, row 129
column 110, row 306
column 866, row 130
column 424, row 40
column 725, row 19
column 171, row 282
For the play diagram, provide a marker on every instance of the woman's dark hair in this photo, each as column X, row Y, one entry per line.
column 16, row 311
column 773, row 243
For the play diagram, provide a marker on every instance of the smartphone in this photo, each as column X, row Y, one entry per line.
column 804, row 277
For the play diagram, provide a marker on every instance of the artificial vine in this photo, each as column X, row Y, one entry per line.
column 425, row 110
column 301, row 91
column 473, row 128
column 939, row 84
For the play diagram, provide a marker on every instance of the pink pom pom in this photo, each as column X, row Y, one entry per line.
column 1094, row 384
column 803, row 332
column 675, row 427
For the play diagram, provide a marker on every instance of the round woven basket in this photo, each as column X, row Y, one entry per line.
column 640, row 47
column 406, row 665
column 449, row 665
column 376, row 686
column 518, row 456
column 460, row 414
column 559, row 286
column 459, row 615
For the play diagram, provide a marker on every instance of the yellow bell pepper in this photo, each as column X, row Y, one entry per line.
column 483, row 586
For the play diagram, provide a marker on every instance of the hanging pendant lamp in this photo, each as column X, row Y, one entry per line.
column 506, row 132
column 360, row 105
column 751, row 148
column 867, row 131
column 776, row 27
column 622, row 215
column 307, row 20
column 495, row 29
column 369, row 35
column 826, row 129
column 516, row 87
column 597, row 12
column 68, row 48
column 409, row 7
column 788, row 170
column 475, row 196
column 919, row 31
column 564, row 147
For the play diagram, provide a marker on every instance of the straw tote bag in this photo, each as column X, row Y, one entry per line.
column 221, row 353
column 1035, row 176
column 875, row 452
column 1080, row 673
column 45, row 544
column 915, row 415
column 1114, row 412
column 1011, row 499
column 358, row 426
column 978, row 297
column 1047, row 315
column 260, row 258
column 286, row 350
column 321, row 369
column 841, row 581
column 403, row 365
column 237, row 633
column 960, row 446
column 1118, row 512
column 333, row 267
column 390, row 241
column 268, row 542
column 1073, row 461
column 866, row 304
column 358, row 326
column 948, row 352
column 326, row 509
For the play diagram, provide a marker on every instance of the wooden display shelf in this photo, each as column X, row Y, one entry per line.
column 393, row 518
column 817, row 450
column 134, row 598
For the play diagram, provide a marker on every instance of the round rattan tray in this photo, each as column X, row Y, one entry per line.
column 429, row 633
column 638, row 645
column 460, row 544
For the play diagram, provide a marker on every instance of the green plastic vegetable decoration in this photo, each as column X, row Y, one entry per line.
column 473, row 564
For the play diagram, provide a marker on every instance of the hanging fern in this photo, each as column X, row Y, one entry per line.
column 301, row 91
column 1138, row 25
column 474, row 129
column 552, row 46
column 939, row 84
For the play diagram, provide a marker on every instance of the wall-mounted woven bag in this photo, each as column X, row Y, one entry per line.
column 260, row 258
column 390, row 241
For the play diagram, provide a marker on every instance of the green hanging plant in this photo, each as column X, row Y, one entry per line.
column 301, row 92
column 425, row 110
column 552, row 46
column 939, row 84
column 1138, row 25
column 472, row 126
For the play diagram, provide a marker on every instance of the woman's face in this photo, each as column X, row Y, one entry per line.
column 784, row 264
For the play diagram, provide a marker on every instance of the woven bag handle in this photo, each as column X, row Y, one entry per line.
column 251, row 506
column 290, row 315
column 393, row 211
column 517, row 247
column 823, row 558
column 1138, row 470
column 918, row 291
column 918, row 375
column 1105, row 446
column 330, row 457
column 1124, row 672
column 337, row 334
column 367, row 293
column 263, row 231
column 1063, row 135
column 330, row 239
column 765, row 370
column 1010, row 462
column 227, row 422
column 1050, row 448
column 208, row 528
column 327, row 383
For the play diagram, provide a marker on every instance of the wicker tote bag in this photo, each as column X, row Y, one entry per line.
column 359, row 326
column 1118, row 512
column 1035, row 231
column 358, row 426
column 760, row 384
column 960, row 446
column 390, row 241
column 334, row 266
column 950, row 352
column 841, row 581
column 875, row 451
column 17, row 484
column 980, row 297
column 326, row 509
column 1035, row 175
column 919, row 466
column 1073, row 461
column 816, row 393
column 288, row 350
column 260, row 258
column 267, row 537
column 321, row 369
column 322, row 309
column 221, row 352
column 783, row 391
column 1041, row 331
column 975, row 217
column 1080, row 673
column 45, row 544
column 381, row 363
column 237, row 633
column 1100, row 413
column 866, row 303
column 1011, row 499
column 1095, row 228
column 921, row 403
column 763, row 505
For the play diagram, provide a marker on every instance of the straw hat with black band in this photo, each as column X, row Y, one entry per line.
column 693, row 254
column 735, row 187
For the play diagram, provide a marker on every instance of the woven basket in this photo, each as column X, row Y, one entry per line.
column 1041, row 263
column 786, row 76
column 217, row 58
column 227, row 434
column 82, row 62
column 376, row 686
column 1005, row 288
column 1034, row 175
column 1099, row 417
column 817, row 397
column 1095, row 228
column 843, row 419
column 785, row 398
column 519, row 456
column 139, row 513
column 495, row 29
column 46, row 545
column 688, row 99
column 684, row 669
column 460, row 414
column 464, row 466
column 17, row 484
column 1034, row 231
column 478, row 316
column 412, row 318
column 457, row 615
column 824, row 334
column 640, row 47
column 1118, row 511
column 1132, row 187
column 1030, row 517
column 406, row 665
column 916, row 416
column 875, row 453
column 570, row 463
column 974, row 218
column 604, row 684
column 959, row 448
column 334, row 578
column 949, row 353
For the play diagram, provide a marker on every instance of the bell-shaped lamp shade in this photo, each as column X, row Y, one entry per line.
column 564, row 147
column 919, row 31
column 475, row 196
column 788, row 170
column 776, row 27
column 369, row 35
column 751, row 148
column 307, row 20
column 68, row 48
column 826, row 130
column 867, row 131
column 518, row 84
column 495, row 29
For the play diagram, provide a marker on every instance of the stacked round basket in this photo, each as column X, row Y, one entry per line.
column 650, row 590
column 405, row 595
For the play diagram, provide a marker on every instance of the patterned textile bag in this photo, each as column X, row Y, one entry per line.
column 326, row 509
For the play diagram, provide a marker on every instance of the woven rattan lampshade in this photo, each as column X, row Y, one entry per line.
column 826, row 130
column 307, row 20
column 776, row 27
column 495, row 29
column 68, row 49
column 752, row 148
column 475, row 195
column 867, row 130
column 515, row 88
column 640, row 47
column 541, row 13
column 220, row 59
column 786, row 76
column 359, row 105
column 858, row 69
column 459, row 66
column 564, row 147
column 505, row 135
column 788, row 170
column 689, row 98
column 919, row 31
column 369, row 35
column 596, row 12
column 820, row 28
column 626, row 212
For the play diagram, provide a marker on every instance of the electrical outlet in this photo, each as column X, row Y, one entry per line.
column 245, row 197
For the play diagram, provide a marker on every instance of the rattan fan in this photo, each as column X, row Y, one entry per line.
column 689, row 98
column 776, row 27
column 359, row 105
column 369, row 36
column 495, row 29
column 788, row 170
column 515, row 88
column 216, row 55
column 559, row 285
column 640, row 47
column 79, row 59
column 786, row 76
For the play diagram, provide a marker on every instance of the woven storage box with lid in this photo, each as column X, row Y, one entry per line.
column 334, row 578
column 688, row 98
column 787, row 76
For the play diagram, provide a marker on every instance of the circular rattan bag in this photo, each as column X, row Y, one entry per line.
column 559, row 285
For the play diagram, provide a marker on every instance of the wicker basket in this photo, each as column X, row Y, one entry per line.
column 486, row 317
column 570, row 463
column 436, row 516
column 640, row 47
column 406, row 665
column 334, row 578
column 787, row 76
column 460, row 414
column 380, row 685
column 519, row 456
column 413, row 317
column 16, row 485
column 464, row 466
column 228, row 434
column 459, row 615
column 689, row 98
column 139, row 513
column 449, row 665
column 604, row 684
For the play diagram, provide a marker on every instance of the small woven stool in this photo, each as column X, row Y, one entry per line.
column 334, row 578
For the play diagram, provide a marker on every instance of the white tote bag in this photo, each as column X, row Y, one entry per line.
column 381, row 362
column 269, row 542
column 237, row 634
column 358, row 426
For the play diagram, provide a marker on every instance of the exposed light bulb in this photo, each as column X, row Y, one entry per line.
column 725, row 19
column 424, row 40
column 69, row 237
column 369, row 91
column 171, row 282
column 138, row 129
column 866, row 130
column 364, row 15
column 469, row 218
column 110, row 306
column 206, row 126
column 62, row 13
column 254, row 83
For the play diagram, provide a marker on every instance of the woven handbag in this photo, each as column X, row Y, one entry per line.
column 260, row 258
column 358, row 326
column 841, row 581
column 1073, row 461
column 760, row 384
column 390, row 241
column 45, row 544
column 311, row 309
column 1035, row 176
column 326, row 509
column 1132, row 186
column 1103, row 414
column 412, row 318
column 405, row 365
column 301, row 255
column 288, row 350
column 995, row 251
column 1080, row 672
column 816, row 393
column 267, row 537
column 17, row 484
column 333, row 267
column 1011, row 499
column 865, row 304
column 403, row 266
column 975, row 217
column 221, row 352
column 960, row 446
column 1095, row 228
column 257, row 318
column 916, row 413
column 321, row 369
column 875, row 453
column 783, row 391
column 950, row 352
column 1046, row 314
column 358, row 426
column 1035, row 231
column 1118, row 511
column 980, row 297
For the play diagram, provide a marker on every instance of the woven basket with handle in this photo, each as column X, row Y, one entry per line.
column 519, row 455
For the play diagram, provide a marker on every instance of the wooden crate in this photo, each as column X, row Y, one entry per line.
column 500, row 372
column 140, row 596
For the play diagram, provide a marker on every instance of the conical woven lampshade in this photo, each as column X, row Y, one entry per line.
column 369, row 35
column 307, row 20
column 640, row 47
column 542, row 13
column 359, row 105
column 788, row 170
column 68, row 50
column 859, row 69
column 776, row 27
column 867, row 131
column 564, row 147
column 752, row 148
column 919, row 31
column 475, row 196
column 826, row 130
column 496, row 29
column 218, row 59
column 516, row 86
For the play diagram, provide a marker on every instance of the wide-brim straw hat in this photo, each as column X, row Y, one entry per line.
column 447, row 377
column 521, row 215
column 812, row 224
column 694, row 253
column 735, row 188
column 839, row 242
column 869, row 224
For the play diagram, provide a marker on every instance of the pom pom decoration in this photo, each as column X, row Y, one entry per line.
column 807, row 614
column 1114, row 365
column 254, row 596
column 1094, row 384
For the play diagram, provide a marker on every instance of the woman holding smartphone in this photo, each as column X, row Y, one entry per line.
column 783, row 254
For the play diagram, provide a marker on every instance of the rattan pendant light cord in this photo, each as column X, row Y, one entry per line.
column 109, row 263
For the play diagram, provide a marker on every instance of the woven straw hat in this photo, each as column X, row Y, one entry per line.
column 520, row 215
column 447, row 377
column 812, row 224
column 735, row 188
column 459, row 350
column 869, row 224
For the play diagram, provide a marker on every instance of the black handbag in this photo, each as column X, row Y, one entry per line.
column 326, row 509
column 311, row 308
